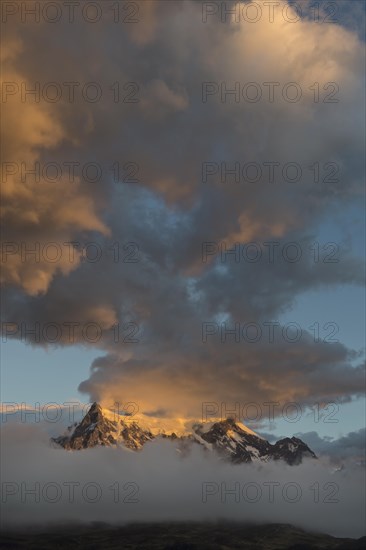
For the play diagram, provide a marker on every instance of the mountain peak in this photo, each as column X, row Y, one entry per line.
column 97, row 428
column 95, row 409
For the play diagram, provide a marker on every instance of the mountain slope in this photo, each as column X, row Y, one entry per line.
column 175, row 536
column 97, row 429
column 235, row 442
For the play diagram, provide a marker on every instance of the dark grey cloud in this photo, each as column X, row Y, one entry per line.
column 349, row 445
column 169, row 212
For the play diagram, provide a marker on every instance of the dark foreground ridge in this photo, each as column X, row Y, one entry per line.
column 231, row 440
column 179, row 536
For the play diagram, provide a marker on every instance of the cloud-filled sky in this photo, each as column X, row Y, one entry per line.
column 154, row 120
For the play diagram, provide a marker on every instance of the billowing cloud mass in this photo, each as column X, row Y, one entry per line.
column 43, row 485
column 158, row 211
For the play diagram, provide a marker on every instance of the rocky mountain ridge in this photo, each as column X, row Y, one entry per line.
column 229, row 439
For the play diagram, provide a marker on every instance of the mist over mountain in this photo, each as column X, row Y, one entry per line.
column 43, row 484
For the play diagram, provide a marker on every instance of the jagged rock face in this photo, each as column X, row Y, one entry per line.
column 292, row 450
column 95, row 429
column 234, row 442
column 229, row 439
column 133, row 436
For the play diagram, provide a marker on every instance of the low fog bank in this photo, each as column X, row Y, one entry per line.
column 42, row 484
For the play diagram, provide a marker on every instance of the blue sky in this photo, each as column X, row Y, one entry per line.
column 33, row 374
